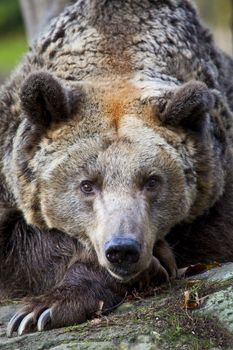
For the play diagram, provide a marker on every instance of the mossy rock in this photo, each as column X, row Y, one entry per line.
column 161, row 321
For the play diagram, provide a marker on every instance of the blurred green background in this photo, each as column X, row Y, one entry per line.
column 12, row 36
column 217, row 14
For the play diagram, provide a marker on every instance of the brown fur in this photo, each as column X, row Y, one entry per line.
column 119, row 98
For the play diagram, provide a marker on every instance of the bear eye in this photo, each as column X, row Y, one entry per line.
column 152, row 183
column 87, row 187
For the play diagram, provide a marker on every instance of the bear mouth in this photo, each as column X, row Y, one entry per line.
column 123, row 274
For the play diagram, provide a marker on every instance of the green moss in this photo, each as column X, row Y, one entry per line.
column 159, row 319
column 8, row 302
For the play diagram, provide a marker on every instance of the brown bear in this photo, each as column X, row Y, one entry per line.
column 116, row 158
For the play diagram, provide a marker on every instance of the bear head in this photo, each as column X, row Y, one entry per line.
column 101, row 163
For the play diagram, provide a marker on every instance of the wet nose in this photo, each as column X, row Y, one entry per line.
column 122, row 251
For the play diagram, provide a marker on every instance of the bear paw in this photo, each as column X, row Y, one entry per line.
column 60, row 307
column 163, row 252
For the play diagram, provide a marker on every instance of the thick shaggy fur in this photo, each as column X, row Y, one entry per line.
column 135, row 97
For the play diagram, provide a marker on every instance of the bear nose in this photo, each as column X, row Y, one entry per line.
column 122, row 251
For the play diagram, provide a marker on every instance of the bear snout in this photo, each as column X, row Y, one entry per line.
column 122, row 251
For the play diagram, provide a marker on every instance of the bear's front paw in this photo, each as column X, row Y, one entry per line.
column 154, row 275
column 59, row 308
column 163, row 252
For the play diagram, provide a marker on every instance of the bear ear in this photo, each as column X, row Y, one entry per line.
column 188, row 105
column 44, row 100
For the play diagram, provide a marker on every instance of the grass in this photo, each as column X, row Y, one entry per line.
column 12, row 48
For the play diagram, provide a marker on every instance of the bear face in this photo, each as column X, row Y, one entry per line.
column 118, row 181
column 105, row 191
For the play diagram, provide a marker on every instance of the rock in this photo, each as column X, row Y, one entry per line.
column 218, row 274
column 220, row 305
column 7, row 311
column 160, row 322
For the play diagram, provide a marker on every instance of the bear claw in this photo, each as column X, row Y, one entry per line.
column 14, row 322
column 43, row 320
column 26, row 323
column 22, row 321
